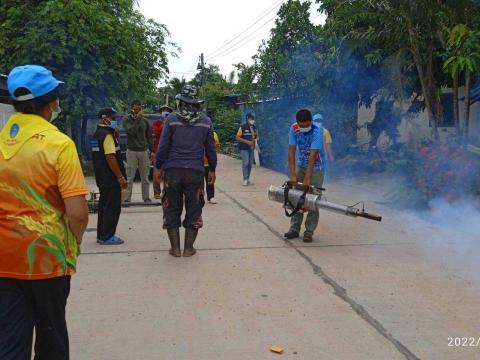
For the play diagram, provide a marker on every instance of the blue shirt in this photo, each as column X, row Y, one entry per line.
column 306, row 142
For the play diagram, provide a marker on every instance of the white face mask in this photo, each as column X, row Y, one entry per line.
column 305, row 130
column 55, row 114
column 165, row 114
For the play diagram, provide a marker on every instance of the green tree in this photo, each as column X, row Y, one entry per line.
column 105, row 51
column 281, row 61
column 246, row 85
column 464, row 58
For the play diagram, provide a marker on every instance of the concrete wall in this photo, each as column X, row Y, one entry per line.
column 5, row 112
column 415, row 129
column 475, row 123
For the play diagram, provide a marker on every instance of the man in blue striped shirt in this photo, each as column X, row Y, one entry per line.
column 307, row 136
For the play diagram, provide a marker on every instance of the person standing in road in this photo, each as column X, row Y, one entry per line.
column 247, row 137
column 139, row 149
column 307, row 136
column 157, row 128
column 327, row 137
column 187, row 136
column 210, row 188
column 43, row 217
column 109, row 176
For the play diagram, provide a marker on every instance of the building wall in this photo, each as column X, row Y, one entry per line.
column 475, row 123
column 5, row 111
column 413, row 130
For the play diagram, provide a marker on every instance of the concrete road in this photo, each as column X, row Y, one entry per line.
column 362, row 290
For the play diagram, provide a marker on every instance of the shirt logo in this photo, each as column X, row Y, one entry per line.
column 14, row 130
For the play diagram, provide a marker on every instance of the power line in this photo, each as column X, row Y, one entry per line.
column 271, row 8
column 239, row 46
column 245, row 40
column 242, row 41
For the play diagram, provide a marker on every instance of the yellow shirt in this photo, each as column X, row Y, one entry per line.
column 327, row 138
column 109, row 145
column 217, row 144
column 39, row 167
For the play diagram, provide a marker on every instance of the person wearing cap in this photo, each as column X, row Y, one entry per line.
column 43, row 217
column 157, row 128
column 187, row 136
column 247, row 138
column 109, row 176
column 327, row 137
column 139, row 149
column 307, row 136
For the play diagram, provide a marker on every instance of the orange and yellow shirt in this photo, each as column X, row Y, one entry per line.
column 217, row 144
column 39, row 167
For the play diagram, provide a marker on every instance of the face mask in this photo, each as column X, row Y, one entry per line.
column 305, row 130
column 165, row 114
column 113, row 124
column 55, row 114
column 189, row 113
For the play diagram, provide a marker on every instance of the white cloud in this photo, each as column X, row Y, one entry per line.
column 204, row 26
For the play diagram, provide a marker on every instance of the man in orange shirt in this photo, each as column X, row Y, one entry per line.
column 42, row 219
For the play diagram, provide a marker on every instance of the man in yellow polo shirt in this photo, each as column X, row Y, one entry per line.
column 327, row 138
column 109, row 175
column 43, row 216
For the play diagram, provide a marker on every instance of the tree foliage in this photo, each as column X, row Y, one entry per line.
column 105, row 51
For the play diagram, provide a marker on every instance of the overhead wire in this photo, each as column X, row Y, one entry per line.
column 227, row 43
column 242, row 41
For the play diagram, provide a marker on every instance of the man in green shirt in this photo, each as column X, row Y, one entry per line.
column 139, row 149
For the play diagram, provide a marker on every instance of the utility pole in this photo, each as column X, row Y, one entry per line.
column 203, row 79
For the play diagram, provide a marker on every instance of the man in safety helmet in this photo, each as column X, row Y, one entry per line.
column 187, row 136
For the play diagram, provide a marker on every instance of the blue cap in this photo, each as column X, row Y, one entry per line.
column 317, row 117
column 37, row 79
column 107, row 112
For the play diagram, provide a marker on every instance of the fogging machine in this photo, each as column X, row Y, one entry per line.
column 298, row 197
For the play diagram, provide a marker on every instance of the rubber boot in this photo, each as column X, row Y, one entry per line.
column 190, row 236
column 174, row 237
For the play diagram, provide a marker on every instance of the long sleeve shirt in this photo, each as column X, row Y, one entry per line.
column 139, row 134
column 183, row 145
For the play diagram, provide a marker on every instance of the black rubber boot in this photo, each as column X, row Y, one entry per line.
column 190, row 236
column 291, row 234
column 174, row 237
column 307, row 237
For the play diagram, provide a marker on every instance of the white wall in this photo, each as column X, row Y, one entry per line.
column 5, row 112
column 414, row 129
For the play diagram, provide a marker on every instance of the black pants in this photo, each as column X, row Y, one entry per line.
column 109, row 208
column 25, row 304
column 210, row 188
column 180, row 184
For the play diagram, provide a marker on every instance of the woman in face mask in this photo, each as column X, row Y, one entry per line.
column 247, row 136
